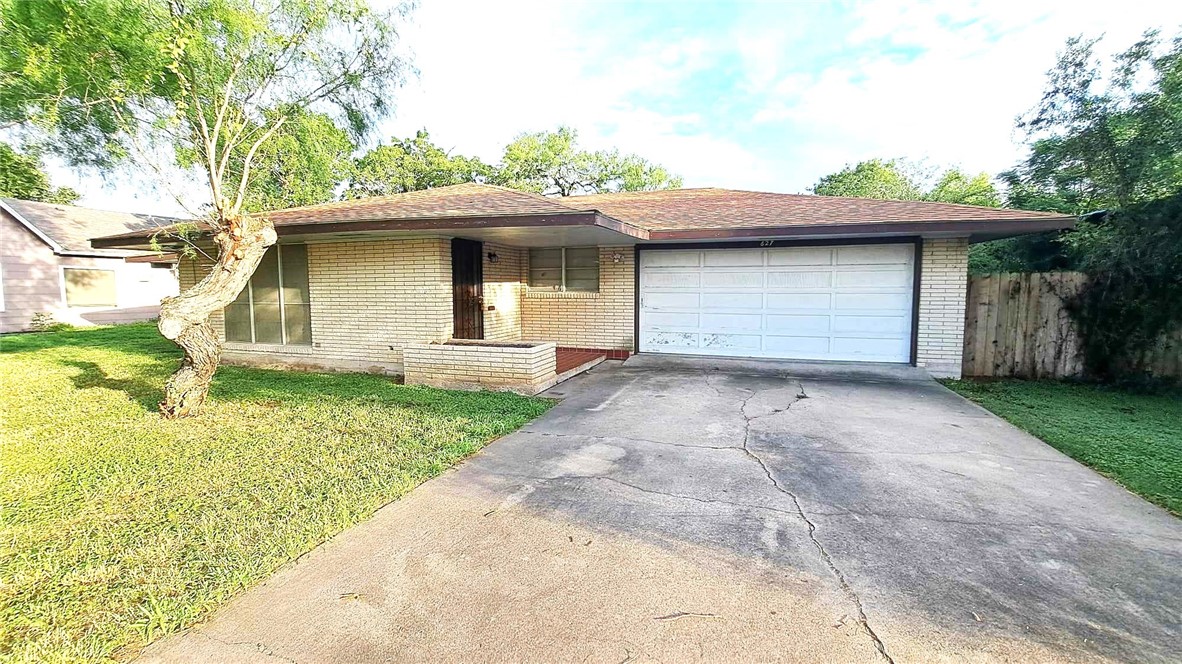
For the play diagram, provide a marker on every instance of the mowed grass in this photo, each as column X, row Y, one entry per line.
column 1135, row 439
column 117, row 527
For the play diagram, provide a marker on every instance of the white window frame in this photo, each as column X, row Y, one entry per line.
column 562, row 272
column 282, row 308
column 61, row 278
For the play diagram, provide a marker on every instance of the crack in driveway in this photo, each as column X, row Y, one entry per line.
column 259, row 648
column 846, row 588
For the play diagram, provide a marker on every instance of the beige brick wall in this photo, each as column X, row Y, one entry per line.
column 943, row 286
column 586, row 320
column 368, row 301
column 503, row 284
column 526, row 370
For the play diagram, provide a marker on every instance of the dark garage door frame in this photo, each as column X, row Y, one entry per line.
column 765, row 244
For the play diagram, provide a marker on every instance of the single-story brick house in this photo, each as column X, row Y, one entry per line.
column 49, row 269
column 354, row 284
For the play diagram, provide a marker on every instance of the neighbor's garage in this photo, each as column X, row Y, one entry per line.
column 814, row 303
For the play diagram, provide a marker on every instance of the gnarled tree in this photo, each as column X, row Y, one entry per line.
column 207, row 84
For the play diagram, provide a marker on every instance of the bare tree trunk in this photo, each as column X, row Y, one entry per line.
column 185, row 318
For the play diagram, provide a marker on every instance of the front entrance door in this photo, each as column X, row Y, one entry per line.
column 467, row 284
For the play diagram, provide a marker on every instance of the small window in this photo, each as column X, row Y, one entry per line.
column 85, row 287
column 274, row 308
column 565, row 269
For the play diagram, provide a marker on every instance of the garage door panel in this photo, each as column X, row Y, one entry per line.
column 824, row 303
column 665, row 320
column 896, row 279
column 732, row 301
column 674, row 280
column 800, row 256
column 872, row 301
column 671, row 258
column 869, row 347
column 797, row 324
column 872, row 254
column 807, row 279
column 670, row 340
column 798, row 301
column 658, row 301
column 893, row 325
column 733, row 342
column 733, row 258
column 732, row 279
column 730, row 321
column 792, row 346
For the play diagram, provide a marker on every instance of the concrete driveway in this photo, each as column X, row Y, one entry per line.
column 703, row 510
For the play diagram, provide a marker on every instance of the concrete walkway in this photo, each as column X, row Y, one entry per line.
column 672, row 510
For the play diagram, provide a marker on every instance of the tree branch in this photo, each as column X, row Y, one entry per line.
column 246, row 165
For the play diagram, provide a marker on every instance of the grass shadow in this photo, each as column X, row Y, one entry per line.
column 143, row 392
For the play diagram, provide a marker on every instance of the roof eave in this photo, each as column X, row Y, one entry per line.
column 425, row 224
column 1005, row 228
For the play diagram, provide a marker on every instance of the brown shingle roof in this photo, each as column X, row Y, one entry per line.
column 461, row 200
column 71, row 227
column 694, row 209
column 669, row 214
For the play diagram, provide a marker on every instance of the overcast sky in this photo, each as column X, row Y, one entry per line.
column 765, row 96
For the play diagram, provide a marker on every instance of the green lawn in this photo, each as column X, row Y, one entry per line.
column 117, row 527
column 1135, row 439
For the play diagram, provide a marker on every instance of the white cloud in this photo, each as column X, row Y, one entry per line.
column 979, row 67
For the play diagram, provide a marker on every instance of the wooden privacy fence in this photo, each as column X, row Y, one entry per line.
column 1016, row 325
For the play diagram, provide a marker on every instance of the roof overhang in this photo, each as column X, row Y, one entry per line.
column 588, row 228
column 595, row 228
column 976, row 230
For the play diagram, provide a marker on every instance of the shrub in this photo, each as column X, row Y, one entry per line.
column 1133, row 259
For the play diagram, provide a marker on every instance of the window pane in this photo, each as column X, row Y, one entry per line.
column 582, row 269
column 539, row 258
column 89, row 288
column 582, row 257
column 295, row 273
column 547, row 278
column 237, row 317
column 298, row 318
column 265, row 286
column 238, row 322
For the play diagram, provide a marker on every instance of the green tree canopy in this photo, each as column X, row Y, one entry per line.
column 303, row 163
column 22, row 176
column 898, row 179
column 875, row 178
column 1103, row 139
column 551, row 163
column 412, row 164
column 957, row 187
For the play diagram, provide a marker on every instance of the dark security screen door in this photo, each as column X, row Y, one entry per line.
column 467, row 283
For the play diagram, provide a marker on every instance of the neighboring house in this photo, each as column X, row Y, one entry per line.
column 48, row 266
column 692, row 271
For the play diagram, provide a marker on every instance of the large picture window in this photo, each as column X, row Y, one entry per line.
column 85, row 287
column 273, row 308
column 565, row 269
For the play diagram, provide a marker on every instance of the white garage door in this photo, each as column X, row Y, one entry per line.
column 813, row 303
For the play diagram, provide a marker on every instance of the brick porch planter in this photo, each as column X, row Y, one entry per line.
column 521, row 367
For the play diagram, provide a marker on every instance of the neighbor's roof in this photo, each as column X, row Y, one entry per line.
column 69, row 228
column 678, row 214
